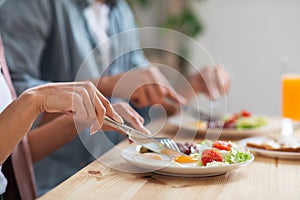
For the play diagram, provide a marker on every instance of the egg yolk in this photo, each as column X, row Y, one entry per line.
column 185, row 159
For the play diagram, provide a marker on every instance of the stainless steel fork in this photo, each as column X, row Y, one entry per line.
column 159, row 146
column 168, row 142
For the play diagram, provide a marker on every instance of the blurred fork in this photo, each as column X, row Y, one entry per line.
column 198, row 114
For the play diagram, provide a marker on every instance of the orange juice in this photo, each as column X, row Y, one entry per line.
column 291, row 97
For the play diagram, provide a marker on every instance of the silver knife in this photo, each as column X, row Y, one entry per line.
column 142, row 139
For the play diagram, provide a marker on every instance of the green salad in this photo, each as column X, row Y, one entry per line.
column 219, row 153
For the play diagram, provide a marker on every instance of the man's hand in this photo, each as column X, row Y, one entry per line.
column 212, row 81
column 144, row 87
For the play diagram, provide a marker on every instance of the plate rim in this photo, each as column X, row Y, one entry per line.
column 228, row 131
column 269, row 153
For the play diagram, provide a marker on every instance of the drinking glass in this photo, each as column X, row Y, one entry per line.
column 290, row 87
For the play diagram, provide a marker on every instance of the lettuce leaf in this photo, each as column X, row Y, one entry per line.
column 250, row 122
column 237, row 157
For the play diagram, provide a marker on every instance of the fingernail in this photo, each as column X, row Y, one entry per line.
column 145, row 130
column 119, row 118
column 215, row 94
column 94, row 128
column 183, row 100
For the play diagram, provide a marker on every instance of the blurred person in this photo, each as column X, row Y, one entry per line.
column 48, row 40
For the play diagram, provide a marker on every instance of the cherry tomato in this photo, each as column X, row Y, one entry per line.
column 245, row 113
column 232, row 119
column 230, row 122
column 210, row 155
column 222, row 145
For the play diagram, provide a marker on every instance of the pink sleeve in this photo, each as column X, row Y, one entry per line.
column 5, row 70
column 21, row 156
column 22, row 165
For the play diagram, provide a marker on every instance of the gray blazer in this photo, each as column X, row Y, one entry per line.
column 47, row 40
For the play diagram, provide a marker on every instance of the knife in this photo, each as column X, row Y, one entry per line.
column 142, row 139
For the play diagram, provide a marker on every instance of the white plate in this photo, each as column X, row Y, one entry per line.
column 268, row 153
column 168, row 167
column 187, row 122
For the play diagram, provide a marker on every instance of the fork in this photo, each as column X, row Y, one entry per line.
column 156, row 145
column 168, row 142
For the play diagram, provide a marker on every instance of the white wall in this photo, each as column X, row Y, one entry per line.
column 250, row 38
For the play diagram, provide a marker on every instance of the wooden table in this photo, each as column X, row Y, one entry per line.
column 265, row 178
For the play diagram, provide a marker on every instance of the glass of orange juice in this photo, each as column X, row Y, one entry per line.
column 290, row 83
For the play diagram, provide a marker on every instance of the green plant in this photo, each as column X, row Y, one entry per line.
column 185, row 21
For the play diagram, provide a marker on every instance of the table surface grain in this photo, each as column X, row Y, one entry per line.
column 265, row 178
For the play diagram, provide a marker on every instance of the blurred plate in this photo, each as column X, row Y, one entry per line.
column 171, row 168
column 268, row 153
column 187, row 122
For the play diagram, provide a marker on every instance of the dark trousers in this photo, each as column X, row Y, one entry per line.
column 12, row 191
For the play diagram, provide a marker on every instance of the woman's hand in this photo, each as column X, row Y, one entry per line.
column 129, row 115
column 81, row 100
